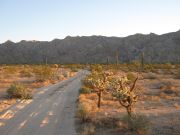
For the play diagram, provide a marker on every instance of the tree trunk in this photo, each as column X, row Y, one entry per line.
column 129, row 110
column 99, row 98
column 117, row 58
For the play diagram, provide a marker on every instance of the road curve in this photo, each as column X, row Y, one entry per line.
column 51, row 112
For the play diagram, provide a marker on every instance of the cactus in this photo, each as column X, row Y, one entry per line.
column 124, row 93
column 107, row 60
column 46, row 61
column 142, row 61
column 117, row 58
column 178, row 59
column 98, row 81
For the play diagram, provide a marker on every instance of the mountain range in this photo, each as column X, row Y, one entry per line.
column 94, row 49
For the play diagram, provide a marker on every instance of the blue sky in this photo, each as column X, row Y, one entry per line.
column 49, row 19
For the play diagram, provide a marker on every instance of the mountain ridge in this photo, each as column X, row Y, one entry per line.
column 94, row 49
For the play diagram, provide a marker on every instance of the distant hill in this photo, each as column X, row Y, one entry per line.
column 94, row 49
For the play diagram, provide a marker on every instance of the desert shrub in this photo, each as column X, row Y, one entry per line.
column 166, row 85
column 148, row 68
column 131, row 76
column 87, row 129
column 10, row 69
column 86, row 81
column 97, row 68
column 73, row 69
column 19, row 91
column 66, row 74
column 43, row 73
column 54, row 66
column 85, row 90
column 138, row 123
column 83, row 112
column 150, row 75
column 169, row 92
column 134, row 66
column 26, row 73
column 168, row 66
column 178, row 74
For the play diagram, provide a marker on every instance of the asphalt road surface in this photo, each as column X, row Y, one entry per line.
column 51, row 112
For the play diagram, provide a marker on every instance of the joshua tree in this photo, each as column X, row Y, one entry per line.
column 142, row 61
column 46, row 61
column 107, row 60
column 125, row 93
column 98, row 81
column 117, row 58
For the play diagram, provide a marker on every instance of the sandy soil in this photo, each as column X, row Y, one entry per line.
column 51, row 112
column 159, row 100
column 15, row 74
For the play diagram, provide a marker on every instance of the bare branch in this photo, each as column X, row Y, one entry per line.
column 134, row 84
column 122, row 103
column 121, row 85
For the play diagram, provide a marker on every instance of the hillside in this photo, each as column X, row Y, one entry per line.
column 94, row 49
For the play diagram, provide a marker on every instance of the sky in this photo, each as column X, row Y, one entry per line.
column 48, row 19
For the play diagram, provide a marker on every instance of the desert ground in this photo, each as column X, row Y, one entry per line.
column 157, row 87
column 158, row 100
column 31, row 77
column 50, row 112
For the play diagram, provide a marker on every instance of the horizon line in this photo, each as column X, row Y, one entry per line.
column 9, row 40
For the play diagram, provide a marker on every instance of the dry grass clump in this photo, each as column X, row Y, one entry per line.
column 83, row 112
column 166, row 96
column 43, row 73
column 87, row 129
column 155, row 98
column 108, row 122
column 137, row 123
column 10, row 69
column 166, row 85
column 85, row 90
column 26, row 73
column 169, row 93
column 74, row 69
column 177, row 76
column 168, row 90
column 177, row 105
column 150, row 75
column 131, row 76
column 19, row 91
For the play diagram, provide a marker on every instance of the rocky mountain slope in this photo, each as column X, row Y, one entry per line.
column 94, row 49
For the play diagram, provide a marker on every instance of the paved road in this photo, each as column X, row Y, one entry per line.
column 51, row 112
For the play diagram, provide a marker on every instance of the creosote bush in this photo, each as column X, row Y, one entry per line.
column 26, row 73
column 85, row 90
column 10, row 69
column 87, row 129
column 19, row 91
column 73, row 69
column 150, row 75
column 138, row 123
column 178, row 74
column 83, row 112
column 43, row 73
column 131, row 77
